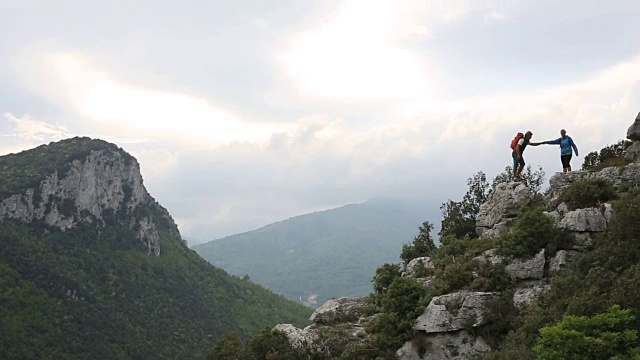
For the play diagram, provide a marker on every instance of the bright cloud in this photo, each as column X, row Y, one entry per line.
column 99, row 96
column 34, row 130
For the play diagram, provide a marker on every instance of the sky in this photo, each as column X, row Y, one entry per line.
column 248, row 112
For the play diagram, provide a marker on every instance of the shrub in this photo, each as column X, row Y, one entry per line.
column 422, row 244
column 588, row 193
column 531, row 232
column 405, row 297
column 611, row 155
column 603, row 336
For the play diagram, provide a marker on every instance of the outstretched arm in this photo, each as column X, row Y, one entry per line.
column 553, row 142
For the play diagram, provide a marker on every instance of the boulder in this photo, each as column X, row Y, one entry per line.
column 506, row 201
column 554, row 215
column 524, row 269
column 562, row 260
column 488, row 257
column 417, row 264
column 633, row 152
column 633, row 133
column 453, row 312
column 589, row 219
column 495, row 231
column 582, row 241
column 454, row 345
column 525, row 296
column 298, row 338
column 339, row 310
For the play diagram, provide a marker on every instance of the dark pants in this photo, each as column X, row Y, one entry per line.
column 517, row 162
column 566, row 161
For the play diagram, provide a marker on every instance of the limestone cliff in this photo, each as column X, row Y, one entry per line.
column 103, row 186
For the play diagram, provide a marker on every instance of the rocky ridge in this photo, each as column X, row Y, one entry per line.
column 443, row 330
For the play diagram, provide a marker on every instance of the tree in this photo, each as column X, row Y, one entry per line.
column 609, row 155
column 422, row 245
column 228, row 348
column 459, row 218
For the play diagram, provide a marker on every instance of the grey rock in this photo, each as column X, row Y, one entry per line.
column 633, row 151
column 582, row 241
column 525, row 296
column 633, row 133
column 298, row 338
column 426, row 282
column 447, row 346
column 607, row 212
column 562, row 260
column 563, row 209
column 523, row 269
column 415, row 265
column 589, row 219
column 102, row 182
column 554, row 215
column 455, row 311
column 339, row 310
column 498, row 229
column 506, row 201
column 488, row 257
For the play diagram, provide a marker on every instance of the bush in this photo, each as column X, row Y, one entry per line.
column 588, row 193
column 531, row 232
column 603, row 336
column 405, row 297
column 422, row 244
column 611, row 155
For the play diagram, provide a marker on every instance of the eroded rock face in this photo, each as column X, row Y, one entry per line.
column 339, row 310
column 94, row 189
column 562, row 260
column 298, row 338
column 416, row 265
column 584, row 220
column 505, row 202
column 454, row 345
column 525, row 296
column 455, row 311
column 524, row 269
column 633, row 133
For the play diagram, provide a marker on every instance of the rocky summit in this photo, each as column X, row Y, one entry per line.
column 526, row 242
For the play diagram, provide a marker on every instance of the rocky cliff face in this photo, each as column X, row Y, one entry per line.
column 103, row 187
column 633, row 134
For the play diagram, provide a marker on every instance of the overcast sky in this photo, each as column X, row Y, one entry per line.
column 246, row 112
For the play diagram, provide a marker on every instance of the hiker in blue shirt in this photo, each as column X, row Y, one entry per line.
column 567, row 148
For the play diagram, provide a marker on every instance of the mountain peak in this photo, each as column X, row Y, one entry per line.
column 80, row 180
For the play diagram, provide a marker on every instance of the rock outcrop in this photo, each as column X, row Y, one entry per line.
column 416, row 266
column 339, row 310
column 453, row 312
column 455, row 345
column 504, row 203
column 633, row 134
column 95, row 190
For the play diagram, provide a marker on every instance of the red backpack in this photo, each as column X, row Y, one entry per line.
column 515, row 140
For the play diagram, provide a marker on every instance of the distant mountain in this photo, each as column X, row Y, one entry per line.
column 314, row 257
column 92, row 267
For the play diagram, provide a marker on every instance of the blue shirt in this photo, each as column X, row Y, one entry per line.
column 566, row 145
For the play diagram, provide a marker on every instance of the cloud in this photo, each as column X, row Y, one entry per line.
column 101, row 97
column 495, row 17
column 34, row 130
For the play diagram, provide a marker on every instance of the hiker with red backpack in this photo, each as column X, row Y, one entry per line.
column 567, row 148
column 518, row 144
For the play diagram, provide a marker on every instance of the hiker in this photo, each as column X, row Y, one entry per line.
column 518, row 144
column 567, row 148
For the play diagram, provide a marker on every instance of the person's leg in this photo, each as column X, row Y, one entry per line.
column 516, row 163
column 566, row 159
column 521, row 164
